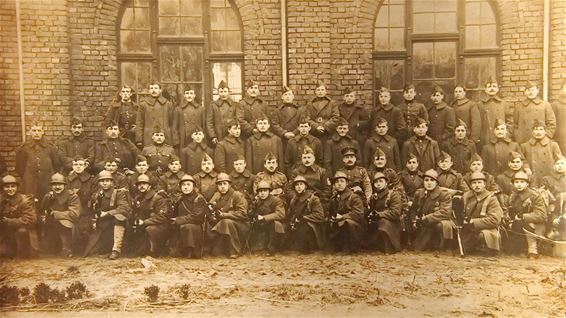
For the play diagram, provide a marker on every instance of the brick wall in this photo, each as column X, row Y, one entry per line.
column 557, row 45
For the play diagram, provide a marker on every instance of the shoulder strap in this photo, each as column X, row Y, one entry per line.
column 484, row 205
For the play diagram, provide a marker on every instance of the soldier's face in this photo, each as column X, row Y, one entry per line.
column 300, row 187
column 239, row 166
column 111, row 167
column 500, row 131
column 253, row 91
column 263, row 193
column 459, row 93
column 113, row 132
column 520, row 185
column 36, row 132
column 10, row 189
column 197, row 136
column 304, row 129
column 350, row 98
column 382, row 129
column 531, row 92
column 143, row 187
column 539, row 132
column 207, row 166
column 187, row 187
column 154, row 90
column 340, row 184
column 436, row 98
column 384, row 98
column 224, row 93
column 126, row 94
column 320, row 91
column 409, row 94
column 77, row 130
column 380, row 184
column 515, row 164
column 223, row 187
column 445, row 164
column 491, row 89
column 105, row 184
column 412, row 165
column 307, row 159
column 271, row 165
column 429, row 183
column 478, row 185
column 57, row 187
column 142, row 167
column 349, row 160
column 460, row 132
column 342, row 130
column 560, row 166
column 189, row 95
column 79, row 166
column 420, row 130
column 158, row 138
column 174, row 166
column 262, row 125
column 288, row 97
column 476, row 166
column 235, row 131
column 379, row 161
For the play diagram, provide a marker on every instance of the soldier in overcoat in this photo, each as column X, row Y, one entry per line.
column 190, row 118
column 261, row 143
column 219, row 113
column 356, row 114
column 391, row 113
column 250, row 108
column 323, row 113
column 380, row 139
column 196, row 148
column 493, row 107
column 297, row 144
column 333, row 147
column 384, row 216
column 268, row 228
column 156, row 110
column 442, row 117
column 113, row 146
column 411, row 110
column 532, row 109
column 460, row 147
column 286, row 116
column 496, row 152
column 425, row 148
column 124, row 111
column 229, row 148
column 540, row 152
column 76, row 145
column 467, row 111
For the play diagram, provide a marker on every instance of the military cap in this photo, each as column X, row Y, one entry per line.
column 531, row 84
column 514, row 155
column 419, row 121
column 437, row 89
column 264, row 185
column 269, row 156
column 58, row 178
column 380, row 120
column 308, row 150
column 341, row 121
column 477, row 176
column 158, row 129
column 187, row 177
column 231, row 123
column 206, row 157
column 498, row 122
column 142, row 178
column 475, row 157
column 196, row 129
column 223, row 177
column 412, row 156
column 300, row 179
column 286, row 89
column 239, row 156
column 339, row 175
column 9, row 179
column 223, row 84
column 76, row 121
column 431, row 173
column 521, row 176
column 104, row 175
column 250, row 83
column 320, row 83
column 461, row 123
column 408, row 86
column 383, row 90
column 380, row 175
column 140, row 158
column 443, row 156
column 347, row 151
column 174, row 158
column 378, row 153
column 537, row 123
column 348, row 90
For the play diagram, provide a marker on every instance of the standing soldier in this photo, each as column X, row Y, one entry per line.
column 460, row 147
column 124, row 111
column 110, row 208
column 60, row 208
column 540, row 152
column 442, row 117
column 242, row 178
column 411, row 110
column 230, row 215
column 76, row 145
column 190, row 118
column 496, row 152
column 219, row 113
column 356, row 114
column 358, row 178
column 36, row 160
column 323, row 113
column 468, row 112
column 196, row 148
column 250, row 108
column 159, row 154
column 286, row 116
column 392, row 114
column 530, row 110
column 389, row 145
column 261, row 143
column 315, row 176
column 333, row 148
column 298, row 143
column 384, row 216
column 114, row 146
column 425, row 148
column 18, row 220
column 268, row 213
column 229, row 148
column 189, row 216
column 156, row 110
column 346, row 216
column 493, row 107
column 205, row 180
column 559, row 108
column 482, row 216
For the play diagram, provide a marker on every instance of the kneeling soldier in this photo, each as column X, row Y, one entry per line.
column 482, row 215
column 17, row 221
column 268, row 212
column 230, row 210
column 432, row 211
column 189, row 217
column 61, row 208
column 347, row 217
column 384, row 224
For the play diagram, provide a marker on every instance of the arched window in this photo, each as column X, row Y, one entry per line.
column 181, row 44
column 428, row 42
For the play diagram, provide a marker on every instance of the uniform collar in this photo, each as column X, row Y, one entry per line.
column 354, row 105
column 245, row 174
column 386, row 107
column 258, row 135
column 250, row 100
column 486, row 98
column 460, row 102
column 185, row 104
column 537, row 101
column 441, row 105
column 337, row 137
column 316, row 99
column 544, row 141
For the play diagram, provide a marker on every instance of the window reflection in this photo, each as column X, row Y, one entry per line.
column 231, row 73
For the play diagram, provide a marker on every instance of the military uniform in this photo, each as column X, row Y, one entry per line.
column 434, row 209
column 333, row 151
column 461, row 153
column 278, row 180
column 125, row 115
column 358, row 118
column 425, row 149
column 316, row 179
column 249, row 110
column 384, row 229
column 322, row 111
column 527, row 112
column 170, row 183
column 218, row 114
column 306, row 216
column 109, row 149
column 556, row 184
column 244, row 183
column 156, row 112
column 18, row 234
column 358, row 177
column 504, row 181
column 468, row 112
column 295, row 148
column 491, row 109
column 258, row 146
column 442, row 122
column 61, row 212
column 232, row 229
column 394, row 118
column 347, row 233
column 495, row 154
column 540, row 154
column 73, row 147
column 452, row 179
column 411, row 111
column 190, row 116
column 392, row 177
column 36, row 162
column 134, row 192
column 192, row 155
column 559, row 109
column 411, row 181
column 285, row 118
column 267, row 233
column 189, row 217
column 227, row 151
column 529, row 207
column 158, row 157
column 388, row 145
column 206, row 183
column 84, row 185
column 490, row 183
column 152, row 208
column 485, row 214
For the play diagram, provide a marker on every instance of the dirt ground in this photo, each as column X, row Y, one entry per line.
column 401, row 285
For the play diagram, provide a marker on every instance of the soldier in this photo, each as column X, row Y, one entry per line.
column 111, row 208
column 442, row 117
column 114, row 146
column 496, row 152
column 170, row 181
column 476, row 165
column 285, row 116
column 261, row 143
column 482, row 216
column 151, row 218
column 242, row 178
column 358, row 178
column 392, row 114
column 379, row 164
column 323, row 114
column 315, row 176
column 76, row 145
column 18, row 219
column 159, row 154
column 205, row 180
column 384, row 226
column 190, row 118
column 493, row 107
column 389, row 145
column 124, row 111
column 268, row 213
column 233, row 223
column 556, row 185
column 306, row 226
column 527, row 212
column 83, row 184
column 142, row 167
column 411, row 110
column 346, row 216
column 515, row 163
column 356, row 114
column 540, row 152
column 120, row 179
column 530, row 110
column 333, row 148
column 156, row 110
column 272, row 175
column 220, row 111
column 36, row 160
column 431, row 210
column 448, row 177
column 297, row 144
column 60, row 208
column 189, row 216
column 425, row 148
column 229, row 148
column 468, row 112
column 411, row 177
column 194, row 149
column 559, row 109
column 250, row 108
column 460, row 147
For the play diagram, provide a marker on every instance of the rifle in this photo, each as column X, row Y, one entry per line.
column 458, row 229
column 213, row 214
column 333, row 208
column 253, row 221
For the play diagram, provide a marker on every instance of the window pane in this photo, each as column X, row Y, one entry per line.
column 473, row 12
column 231, row 73
column 445, row 22
column 137, row 75
column 191, row 7
column 168, row 7
column 421, row 6
column 423, row 22
column 142, row 39
column 445, row 59
column 197, row 87
column 397, row 39
column 142, row 18
column 389, row 74
column 232, row 20
column 423, row 60
column 425, row 88
column 192, row 63
column 397, row 18
column 218, row 3
column 169, row 26
column 472, row 37
column 487, row 14
column 141, row 3
column 227, row 41
column 382, row 19
column 128, row 19
column 446, row 5
column 128, row 42
column 170, row 61
column 381, row 39
column 191, row 26
column 217, row 21
column 477, row 71
column 488, row 36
